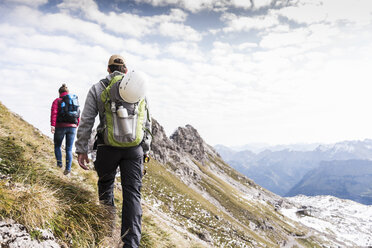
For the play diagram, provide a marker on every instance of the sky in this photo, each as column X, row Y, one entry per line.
column 239, row 71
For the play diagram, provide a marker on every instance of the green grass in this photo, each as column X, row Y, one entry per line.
column 189, row 207
column 36, row 194
column 262, row 215
column 35, row 234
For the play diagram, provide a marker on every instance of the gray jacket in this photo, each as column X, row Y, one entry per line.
column 93, row 106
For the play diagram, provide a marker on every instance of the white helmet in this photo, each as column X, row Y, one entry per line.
column 133, row 87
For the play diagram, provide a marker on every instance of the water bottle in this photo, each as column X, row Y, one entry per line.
column 123, row 120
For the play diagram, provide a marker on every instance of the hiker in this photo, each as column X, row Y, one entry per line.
column 123, row 140
column 64, row 120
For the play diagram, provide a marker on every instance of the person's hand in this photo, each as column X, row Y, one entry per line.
column 82, row 159
column 52, row 129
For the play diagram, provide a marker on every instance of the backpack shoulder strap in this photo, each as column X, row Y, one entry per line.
column 105, row 95
column 66, row 98
column 104, row 82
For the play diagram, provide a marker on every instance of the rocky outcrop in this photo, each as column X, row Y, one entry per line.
column 168, row 152
column 15, row 235
column 163, row 149
column 183, row 140
column 188, row 140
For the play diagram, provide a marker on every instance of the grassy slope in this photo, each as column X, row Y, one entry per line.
column 202, row 218
column 35, row 193
column 276, row 227
column 38, row 195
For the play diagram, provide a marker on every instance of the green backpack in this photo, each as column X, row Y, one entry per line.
column 122, row 130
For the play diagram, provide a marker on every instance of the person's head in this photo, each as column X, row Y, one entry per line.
column 63, row 89
column 116, row 63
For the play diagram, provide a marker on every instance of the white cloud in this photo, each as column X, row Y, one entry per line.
column 246, row 4
column 57, row 23
column 246, row 45
column 38, row 41
column 195, row 6
column 245, row 23
column 281, row 84
column 315, row 36
column 190, row 5
column 179, row 31
column 134, row 25
column 32, row 3
column 294, row 37
column 185, row 50
column 149, row 50
column 304, row 13
column 126, row 23
column 262, row 3
column 221, row 48
column 357, row 12
column 84, row 31
column 175, row 15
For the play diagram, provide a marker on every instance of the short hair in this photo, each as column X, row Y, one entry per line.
column 120, row 68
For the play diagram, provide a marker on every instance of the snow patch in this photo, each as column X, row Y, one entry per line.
column 350, row 222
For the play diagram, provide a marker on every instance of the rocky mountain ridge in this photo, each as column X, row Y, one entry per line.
column 178, row 151
column 185, row 148
column 183, row 140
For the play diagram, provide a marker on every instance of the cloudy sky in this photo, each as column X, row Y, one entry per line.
column 239, row 71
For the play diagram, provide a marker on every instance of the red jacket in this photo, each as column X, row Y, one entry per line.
column 54, row 113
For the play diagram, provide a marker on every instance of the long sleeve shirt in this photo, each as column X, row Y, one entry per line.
column 54, row 113
column 93, row 107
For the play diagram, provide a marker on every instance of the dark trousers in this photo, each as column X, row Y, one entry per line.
column 130, row 161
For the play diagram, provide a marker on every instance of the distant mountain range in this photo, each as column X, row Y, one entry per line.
column 348, row 179
column 280, row 171
column 259, row 147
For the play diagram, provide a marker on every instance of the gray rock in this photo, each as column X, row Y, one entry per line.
column 15, row 235
column 163, row 149
column 188, row 140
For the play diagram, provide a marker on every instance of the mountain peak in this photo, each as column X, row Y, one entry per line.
column 189, row 140
column 161, row 144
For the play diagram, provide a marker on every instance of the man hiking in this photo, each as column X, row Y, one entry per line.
column 123, row 140
column 64, row 119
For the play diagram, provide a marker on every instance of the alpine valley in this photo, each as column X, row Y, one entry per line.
column 191, row 198
column 343, row 169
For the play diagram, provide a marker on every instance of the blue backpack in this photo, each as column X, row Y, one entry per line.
column 69, row 109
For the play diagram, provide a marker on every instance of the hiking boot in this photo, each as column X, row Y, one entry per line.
column 59, row 165
column 66, row 173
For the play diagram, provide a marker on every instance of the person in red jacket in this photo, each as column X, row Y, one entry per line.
column 61, row 127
